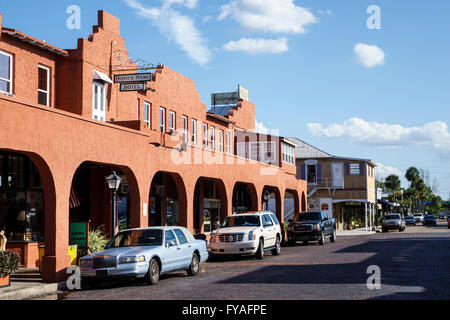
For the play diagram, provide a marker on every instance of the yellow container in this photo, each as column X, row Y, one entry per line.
column 73, row 253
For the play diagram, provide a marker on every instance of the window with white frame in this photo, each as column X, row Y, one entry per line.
column 288, row 153
column 269, row 155
column 255, row 151
column 205, row 135
column 162, row 120
column 43, row 85
column 6, row 72
column 147, row 114
column 355, row 169
column 227, row 142
column 220, row 140
column 98, row 103
column 212, row 138
column 172, row 121
column 185, row 129
column 137, row 110
column 194, row 131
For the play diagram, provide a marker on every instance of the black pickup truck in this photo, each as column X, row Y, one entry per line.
column 312, row 226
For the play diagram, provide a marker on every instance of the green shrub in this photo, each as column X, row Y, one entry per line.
column 9, row 263
column 97, row 239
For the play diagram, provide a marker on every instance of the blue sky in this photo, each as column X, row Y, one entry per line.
column 386, row 99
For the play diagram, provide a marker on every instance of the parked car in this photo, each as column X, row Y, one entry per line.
column 442, row 216
column 418, row 217
column 409, row 220
column 393, row 221
column 429, row 220
column 247, row 234
column 312, row 226
column 145, row 254
column 448, row 221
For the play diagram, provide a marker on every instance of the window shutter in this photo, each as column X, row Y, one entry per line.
column 362, row 168
column 347, row 169
column 303, row 173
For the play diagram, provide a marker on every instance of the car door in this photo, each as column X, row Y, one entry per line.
column 187, row 251
column 172, row 254
column 269, row 231
column 327, row 225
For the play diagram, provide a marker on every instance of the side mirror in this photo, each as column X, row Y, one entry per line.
column 170, row 243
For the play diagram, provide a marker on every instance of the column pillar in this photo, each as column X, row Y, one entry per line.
column 365, row 215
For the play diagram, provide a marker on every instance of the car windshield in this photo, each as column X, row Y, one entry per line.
column 314, row 216
column 392, row 217
column 137, row 238
column 241, row 221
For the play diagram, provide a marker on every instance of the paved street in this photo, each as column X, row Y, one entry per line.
column 414, row 265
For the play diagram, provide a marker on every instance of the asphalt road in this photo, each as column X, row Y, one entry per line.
column 414, row 265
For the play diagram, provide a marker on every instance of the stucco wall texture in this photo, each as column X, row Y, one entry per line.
column 63, row 136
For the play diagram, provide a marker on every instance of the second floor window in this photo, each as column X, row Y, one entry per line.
column 147, row 113
column 194, row 132
column 172, row 122
column 227, row 142
column 98, row 104
column 6, row 66
column 205, row 135
column 311, row 173
column 288, row 153
column 43, row 86
column 185, row 129
column 220, row 140
column 212, row 139
column 162, row 120
column 355, row 169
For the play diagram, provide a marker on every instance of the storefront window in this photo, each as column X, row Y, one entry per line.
column 21, row 198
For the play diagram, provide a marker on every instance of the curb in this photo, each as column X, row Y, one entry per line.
column 37, row 291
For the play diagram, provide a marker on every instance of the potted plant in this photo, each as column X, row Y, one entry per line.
column 9, row 263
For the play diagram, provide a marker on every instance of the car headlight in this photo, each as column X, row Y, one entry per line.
column 251, row 236
column 85, row 262
column 124, row 260
column 318, row 227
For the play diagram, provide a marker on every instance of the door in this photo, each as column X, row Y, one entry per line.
column 338, row 175
column 98, row 102
column 270, row 231
column 187, row 251
column 172, row 254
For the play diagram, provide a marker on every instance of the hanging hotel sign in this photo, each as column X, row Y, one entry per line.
column 139, row 77
column 126, row 87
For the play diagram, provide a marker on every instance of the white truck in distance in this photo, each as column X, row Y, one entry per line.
column 246, row 234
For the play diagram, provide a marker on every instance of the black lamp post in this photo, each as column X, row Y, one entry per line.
column 114, row 184
column 266, row 197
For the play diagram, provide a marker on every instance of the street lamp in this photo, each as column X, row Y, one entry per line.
column 114, row 184
column 266, row 197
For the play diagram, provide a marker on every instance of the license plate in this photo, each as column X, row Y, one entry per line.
column 102, row 273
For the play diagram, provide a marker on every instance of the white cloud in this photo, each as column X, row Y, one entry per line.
column 272, row 16
column 258, row 46
column 178, row 27
column 382, row 171
column 369, row 55
column 261, row 128
column 434, row 134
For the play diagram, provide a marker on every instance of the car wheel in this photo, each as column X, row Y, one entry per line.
column 322, row 239
column 292, row 242
column 305, row 243
column 384, row 230
column 195, row 266
column 260, row 252
column 333, row 237
column 277, row 250
column 152, row 276
column 91, row 284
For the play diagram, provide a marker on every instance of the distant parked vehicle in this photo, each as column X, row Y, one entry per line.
column 442, row 216
column 312, row 226
column 429, row 220
column 448, row 221
column 145, row 254
column 246, row 234
column 393, row 221
column 409, row 220
column 419, row 217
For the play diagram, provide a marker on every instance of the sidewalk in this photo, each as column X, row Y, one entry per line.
column 357, row 232
column 26, row 284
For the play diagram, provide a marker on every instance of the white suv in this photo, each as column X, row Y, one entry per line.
column 248, row 233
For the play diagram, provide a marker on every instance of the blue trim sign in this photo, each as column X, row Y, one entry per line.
column 129, row 78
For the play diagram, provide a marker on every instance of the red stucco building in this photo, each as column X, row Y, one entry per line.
column 65, row 126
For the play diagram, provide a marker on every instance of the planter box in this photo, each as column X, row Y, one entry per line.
column 5, row 282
